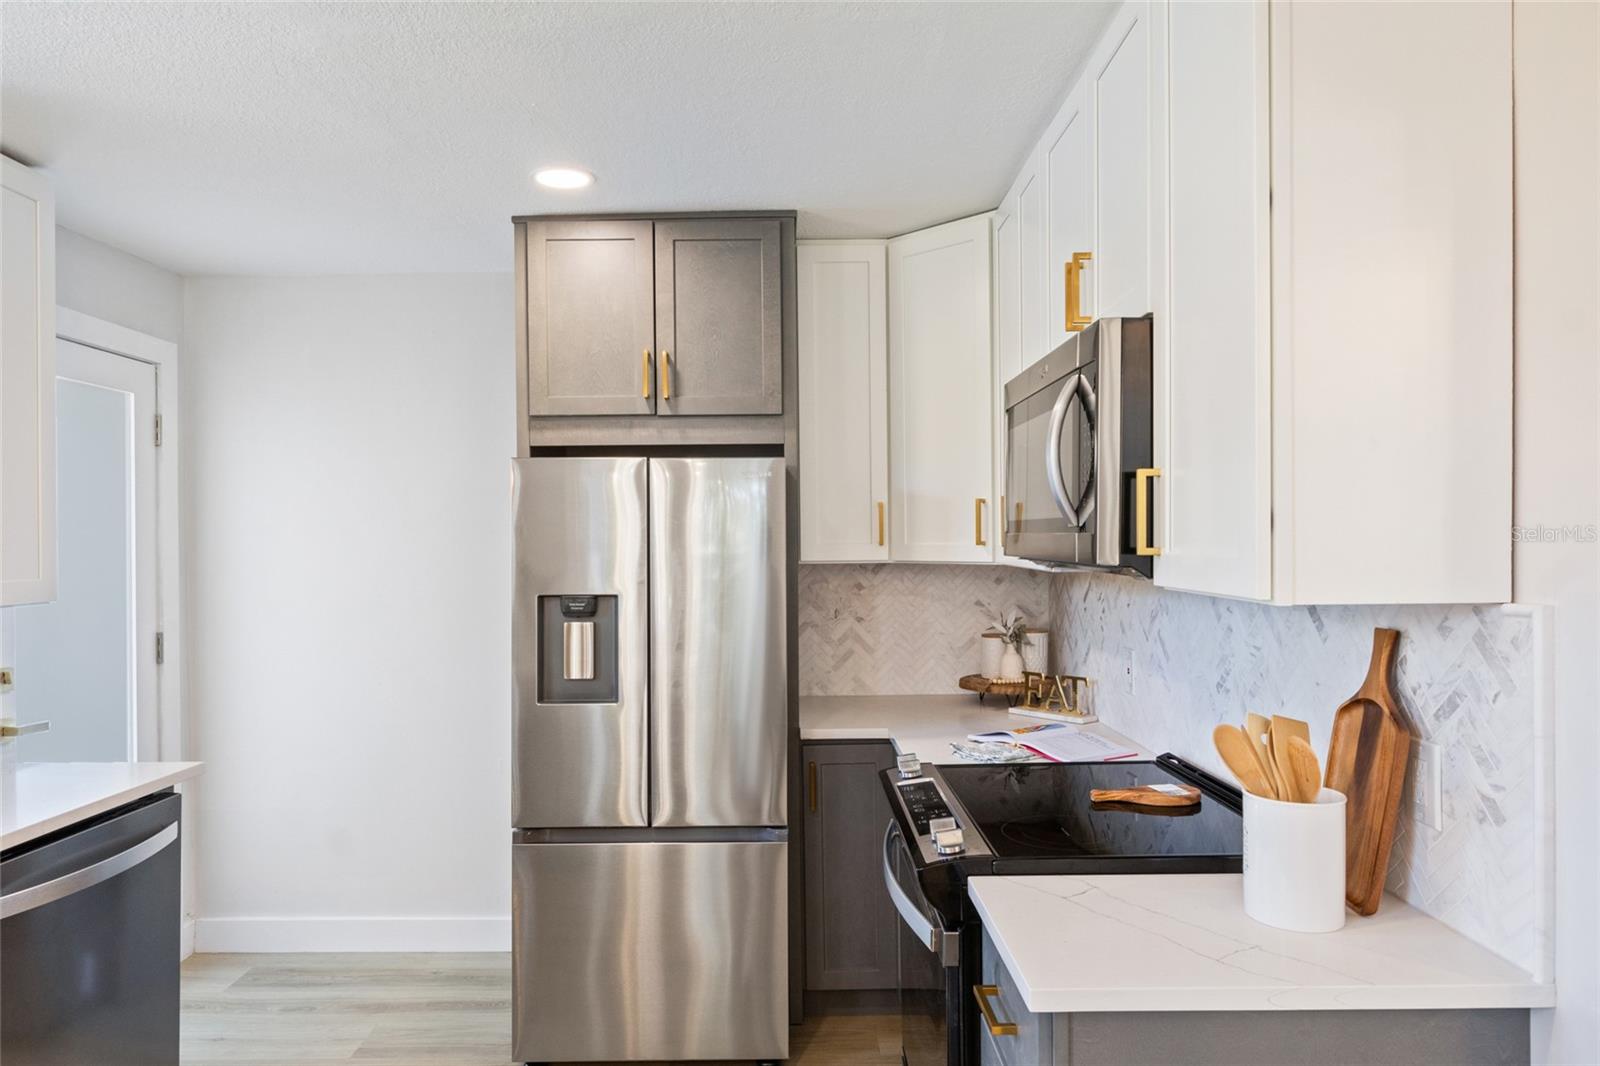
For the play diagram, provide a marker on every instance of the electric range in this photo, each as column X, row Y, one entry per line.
column 955, row 822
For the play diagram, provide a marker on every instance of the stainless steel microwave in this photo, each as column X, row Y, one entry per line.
column 1080, row 453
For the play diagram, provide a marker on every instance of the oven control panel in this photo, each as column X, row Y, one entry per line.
column 923, row 803
column 936, row 819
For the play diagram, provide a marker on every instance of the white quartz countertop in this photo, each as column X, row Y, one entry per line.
column 1158, row 942
column 926, row 725
column 40, row 797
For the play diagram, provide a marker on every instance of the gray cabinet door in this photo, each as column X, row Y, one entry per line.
column 719, row 316
column 850, row 922
column 591, row 319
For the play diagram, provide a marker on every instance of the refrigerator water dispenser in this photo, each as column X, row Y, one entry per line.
column 577, row 649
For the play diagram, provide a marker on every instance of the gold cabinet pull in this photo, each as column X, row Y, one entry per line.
column 1075, row 320
column 977, row 522
column 880, row 523
column 811, row 785
column 1005, row 525
column 666, row 374
column 1141, row 509
column 644, row 370
column 984, row 993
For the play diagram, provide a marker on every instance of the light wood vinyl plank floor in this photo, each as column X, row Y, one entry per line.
column 412, row 1010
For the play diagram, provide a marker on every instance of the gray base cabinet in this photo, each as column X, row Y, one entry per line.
column 850, row 922
column 1240, row 1038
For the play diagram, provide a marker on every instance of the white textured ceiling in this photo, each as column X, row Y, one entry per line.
column 335, row 138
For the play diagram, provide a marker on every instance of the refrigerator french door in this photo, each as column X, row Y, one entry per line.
column 649, row 790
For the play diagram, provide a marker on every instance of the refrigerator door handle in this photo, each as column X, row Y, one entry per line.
column 26, row 899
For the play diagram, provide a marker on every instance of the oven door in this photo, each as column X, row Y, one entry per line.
column 1050, row 470
column 930, row 958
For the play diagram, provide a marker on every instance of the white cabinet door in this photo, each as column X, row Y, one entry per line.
column 27, row 387
column 941, row 474
column 1007, row 334
column 1067, row 152
column 1392, row 347
column 1213, row 355
column 1029, row 218
column 844, row 402
column 1119, row 90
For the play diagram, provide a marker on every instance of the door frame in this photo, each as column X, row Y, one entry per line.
column 172, row 740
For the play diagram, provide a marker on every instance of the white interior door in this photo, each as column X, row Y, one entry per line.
column 86, row 661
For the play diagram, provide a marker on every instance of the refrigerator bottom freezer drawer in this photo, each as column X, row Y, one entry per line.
column 659, row 950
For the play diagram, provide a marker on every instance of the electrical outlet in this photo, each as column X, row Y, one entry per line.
column 1130, row 672
column 7, row 679
column 1428, row 791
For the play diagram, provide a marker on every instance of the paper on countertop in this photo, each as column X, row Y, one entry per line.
column 992, row 752
column 1058, row 742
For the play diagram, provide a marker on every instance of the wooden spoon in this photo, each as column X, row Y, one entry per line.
column 1234, row 747
column 1305, row 772
column 1255, row 728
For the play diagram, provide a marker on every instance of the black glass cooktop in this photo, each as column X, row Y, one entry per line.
column 1044, row 811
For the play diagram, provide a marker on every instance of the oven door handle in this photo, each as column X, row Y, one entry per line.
column 945, row 945
column 1076, row 385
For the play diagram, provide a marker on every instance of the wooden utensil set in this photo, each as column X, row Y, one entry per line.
column 1367, row 754
column 1271, row 758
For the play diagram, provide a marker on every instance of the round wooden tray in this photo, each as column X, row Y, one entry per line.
column 1013, row 691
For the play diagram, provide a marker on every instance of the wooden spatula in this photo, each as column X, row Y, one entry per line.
column 1234, row 747
column 1255, row 728
column 1279, row 732
column 1367, row 755
column 1303, row 770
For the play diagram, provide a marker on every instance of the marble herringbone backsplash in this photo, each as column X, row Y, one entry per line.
column 1464, row 676
column 903, row 629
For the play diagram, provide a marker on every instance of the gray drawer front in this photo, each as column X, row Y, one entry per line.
column 1030, row 1044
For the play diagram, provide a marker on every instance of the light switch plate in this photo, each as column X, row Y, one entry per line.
column 1428, row 795
column 1130, row 671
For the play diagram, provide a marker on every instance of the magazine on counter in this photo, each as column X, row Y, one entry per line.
column 1059, row 742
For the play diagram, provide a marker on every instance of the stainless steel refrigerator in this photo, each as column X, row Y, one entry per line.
column 650, row 848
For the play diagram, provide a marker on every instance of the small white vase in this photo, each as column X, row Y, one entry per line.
column 1010, row 665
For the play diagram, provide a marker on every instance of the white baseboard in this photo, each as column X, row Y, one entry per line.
column 212, row 935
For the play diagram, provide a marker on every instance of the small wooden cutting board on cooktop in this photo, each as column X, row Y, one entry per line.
column 1367, row 755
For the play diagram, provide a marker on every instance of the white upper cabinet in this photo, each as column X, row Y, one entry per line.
column 1314, row 201
column 1119, row 92
column 941, row 474
column 1391, row 260
column 1213, row 345
column 1028, row 217
column 1067, row 154
column 1333, row 347
column 844, row 405
column 27, row 387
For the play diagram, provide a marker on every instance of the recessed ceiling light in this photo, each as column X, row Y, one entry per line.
column 563, row 177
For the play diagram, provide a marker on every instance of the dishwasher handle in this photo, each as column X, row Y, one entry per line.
column 944, row 944
column 26, row 899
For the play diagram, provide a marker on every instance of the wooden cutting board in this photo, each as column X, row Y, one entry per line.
column 1367, row 755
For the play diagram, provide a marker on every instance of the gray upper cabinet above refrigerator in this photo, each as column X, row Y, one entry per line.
column 719, row 317
column 591, row 310
column 669, row 330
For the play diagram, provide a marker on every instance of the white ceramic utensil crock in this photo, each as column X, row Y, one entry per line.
column 1294, row 862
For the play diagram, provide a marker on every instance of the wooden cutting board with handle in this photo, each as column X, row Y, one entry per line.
column 1367, row 754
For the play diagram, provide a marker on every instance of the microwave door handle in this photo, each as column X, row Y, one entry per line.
column 945, row 945
column 1091, row 414
column 1052, row 454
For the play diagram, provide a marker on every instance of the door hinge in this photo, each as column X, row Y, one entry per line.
column 161, row 648
column 158, row 431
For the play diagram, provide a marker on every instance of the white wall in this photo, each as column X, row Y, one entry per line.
column 112, row 285
column 349, row 565
column 1557, row 460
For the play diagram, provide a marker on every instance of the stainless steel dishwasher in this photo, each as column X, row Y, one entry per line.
column 89, row 921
